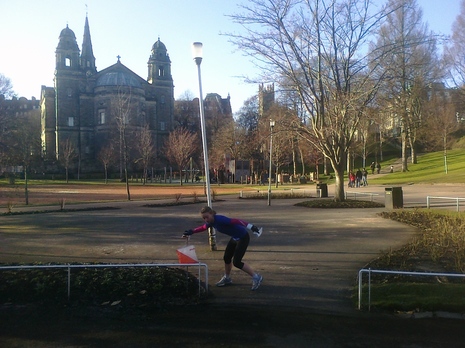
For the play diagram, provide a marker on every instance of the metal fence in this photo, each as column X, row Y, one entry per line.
column 456, row 200
column 370, row 271
column 355, row 194
column 297, row 193
column 126, row 265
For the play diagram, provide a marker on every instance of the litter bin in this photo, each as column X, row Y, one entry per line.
column 322, row 190
column 393, row 197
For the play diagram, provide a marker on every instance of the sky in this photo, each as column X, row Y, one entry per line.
column 30, row 30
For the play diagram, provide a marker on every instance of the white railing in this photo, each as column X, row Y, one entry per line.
column 68, row 267
column 370, row 271
column 355, row 194
column 298, row 193
column 456, row 199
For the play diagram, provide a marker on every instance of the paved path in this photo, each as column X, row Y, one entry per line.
column 309, row 259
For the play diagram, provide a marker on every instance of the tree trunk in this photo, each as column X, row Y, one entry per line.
column 127, row 183
column 302, row 161
column 325, row 166
column 339, row 187
column 348, row 162
column 293, row 162
column 413, row 150
column 413, row 153
column 339, row 173
column 404, row 151
column 276, row 176
column 26, row 192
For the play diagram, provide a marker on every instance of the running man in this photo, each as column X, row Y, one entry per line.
column 237, row 245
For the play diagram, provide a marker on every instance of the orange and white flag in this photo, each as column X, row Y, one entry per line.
column 187, row 254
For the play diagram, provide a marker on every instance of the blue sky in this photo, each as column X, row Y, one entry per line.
column 30, row 30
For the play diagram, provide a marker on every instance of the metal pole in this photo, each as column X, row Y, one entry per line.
column 360, row 275
column 198, row 60
column 204, row 136
column 69, row 283
column 369, row 289
column 269, row 174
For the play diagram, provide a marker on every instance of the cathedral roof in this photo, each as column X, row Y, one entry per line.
column 158, row 45
column 119, row 75
column 67, row 39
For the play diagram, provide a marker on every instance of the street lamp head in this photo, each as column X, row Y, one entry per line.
column 272, row 123
column 197, row 52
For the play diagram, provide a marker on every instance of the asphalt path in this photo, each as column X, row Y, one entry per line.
column 309, row 258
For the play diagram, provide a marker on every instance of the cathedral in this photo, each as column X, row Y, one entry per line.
column 88, row 109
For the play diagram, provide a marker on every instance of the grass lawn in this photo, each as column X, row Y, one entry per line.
column 400, row 296
column 429, row 169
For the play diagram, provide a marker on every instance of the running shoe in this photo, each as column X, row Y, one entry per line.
column 256, row 281
column 224, row 281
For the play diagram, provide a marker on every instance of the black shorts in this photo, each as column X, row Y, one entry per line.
column 235, row 251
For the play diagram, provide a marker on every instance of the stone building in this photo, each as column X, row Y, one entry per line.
column 266, row 98
column 88, row 108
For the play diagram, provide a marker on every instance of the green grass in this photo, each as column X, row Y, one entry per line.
column 416, row 297
column 430, row 169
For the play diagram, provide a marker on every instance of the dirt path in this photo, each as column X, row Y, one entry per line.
column 75, row 193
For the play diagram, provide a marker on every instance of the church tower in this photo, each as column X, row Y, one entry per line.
column 162, row 89
column 159, row 66
column 87, row 55
column 68, row 78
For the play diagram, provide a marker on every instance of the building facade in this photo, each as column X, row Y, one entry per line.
column 88, row 108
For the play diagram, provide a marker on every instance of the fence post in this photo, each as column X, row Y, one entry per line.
column 69, row 283
column 369, row 289
column 360, row 275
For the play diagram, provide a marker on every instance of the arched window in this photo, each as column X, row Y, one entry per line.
column 101, row 116
column 67, row 61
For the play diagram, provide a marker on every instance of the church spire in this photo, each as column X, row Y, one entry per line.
column 87, row 55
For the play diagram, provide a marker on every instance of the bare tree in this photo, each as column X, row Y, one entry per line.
column 22, row 144
column 6, row 87
column 179, row 147
column 455, row 51
column 253, row 135
column 106, row 156
column 186, row 112
column 144, row 145
column 320, row 49
column 67, row 155
column 6, row 115
column 411, row 64
column 441, row 121
column 122, row 109
column 283, row 136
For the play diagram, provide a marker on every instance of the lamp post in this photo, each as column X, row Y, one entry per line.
column 271, row 153
column 197, row 55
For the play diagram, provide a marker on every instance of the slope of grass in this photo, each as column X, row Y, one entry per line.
column 430, row 169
